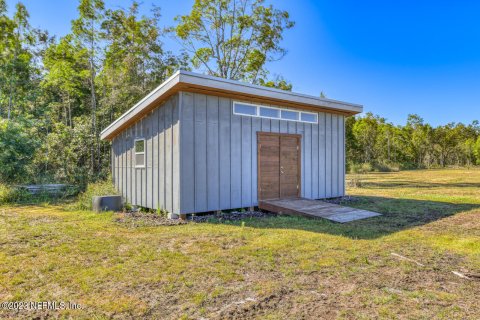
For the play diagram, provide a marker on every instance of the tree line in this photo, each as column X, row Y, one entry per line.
column 58, row 93
column 384, row 146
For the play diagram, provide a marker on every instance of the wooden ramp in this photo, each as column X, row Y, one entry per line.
column 315, row 208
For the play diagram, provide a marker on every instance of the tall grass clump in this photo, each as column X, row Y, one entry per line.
column 357, row 168
column 20, row 195
column 9, row 194
column 84, row 199
column 361, row 168
column 386, row 167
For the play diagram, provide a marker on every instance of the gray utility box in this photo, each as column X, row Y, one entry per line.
column 107, row 203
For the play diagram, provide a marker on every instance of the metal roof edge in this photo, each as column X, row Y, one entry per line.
column 238, row 83
column 234, row 86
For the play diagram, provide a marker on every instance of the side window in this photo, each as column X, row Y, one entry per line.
column 140, row 153
column 269, row 112
column 289, row 115
column 309, row 117
column 253, row 110
column 244, row 109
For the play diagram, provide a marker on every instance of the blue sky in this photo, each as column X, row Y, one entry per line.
column 395, row 58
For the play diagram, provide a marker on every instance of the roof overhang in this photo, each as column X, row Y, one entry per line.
column 193, row 82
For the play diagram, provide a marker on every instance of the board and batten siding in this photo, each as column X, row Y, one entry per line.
column 201, row 157
column 157, row 185
column 219, row 154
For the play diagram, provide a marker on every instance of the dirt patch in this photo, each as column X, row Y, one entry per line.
column 251, row 307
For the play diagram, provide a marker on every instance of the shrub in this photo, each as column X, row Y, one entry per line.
column 84, row 199
column 10, row 194
column 411, row 166
column 17, row 194
column 17, row 147
column 386, row 167
column 74, row 163
column 360, row 168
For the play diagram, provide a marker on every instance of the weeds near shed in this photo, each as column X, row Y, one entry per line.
column 84, row 199
column 161, row 212
column 127, row 207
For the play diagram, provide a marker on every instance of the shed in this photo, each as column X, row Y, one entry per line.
column 199, row 143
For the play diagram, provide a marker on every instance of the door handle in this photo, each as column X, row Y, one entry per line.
column 281, row 170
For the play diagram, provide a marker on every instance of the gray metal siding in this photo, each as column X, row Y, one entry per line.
column 341, row 154
column 129, row 177
column 175, row 153
column 155, row 160
column 328, row 156
column 224, row 153
column 235, row 160
column 161, row 156
column 335, row 156
column 213, row 181
column 218, row 154
column 158, row 184
column 215, row 165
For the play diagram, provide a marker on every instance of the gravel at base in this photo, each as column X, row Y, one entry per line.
column 142, row 219
column 231, row 216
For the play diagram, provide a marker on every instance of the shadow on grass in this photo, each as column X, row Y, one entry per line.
column 397, row 215
column 416, row 184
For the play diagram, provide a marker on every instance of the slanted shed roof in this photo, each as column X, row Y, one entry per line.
column 194, row 82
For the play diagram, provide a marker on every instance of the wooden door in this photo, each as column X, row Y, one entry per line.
column 289, row 166
column 268, row 146
column 278, row 165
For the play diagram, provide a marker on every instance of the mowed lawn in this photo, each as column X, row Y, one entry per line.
column 270, row 268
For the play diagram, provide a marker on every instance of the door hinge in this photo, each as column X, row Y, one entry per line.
column 297, row 186
column 298, row 148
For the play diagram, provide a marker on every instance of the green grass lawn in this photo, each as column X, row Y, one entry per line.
column 271, row 268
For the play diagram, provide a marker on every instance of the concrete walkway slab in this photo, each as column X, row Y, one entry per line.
column 316, row 208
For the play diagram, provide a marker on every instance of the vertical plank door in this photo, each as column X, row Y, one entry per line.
column 290, row 169
column 268, row 166
column 278, row 165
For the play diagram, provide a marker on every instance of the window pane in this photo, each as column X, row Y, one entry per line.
column 140, row 146
column 289, row 115
column 309, row 117
column 139, row 159
column 245, row 109
column 269, row 112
